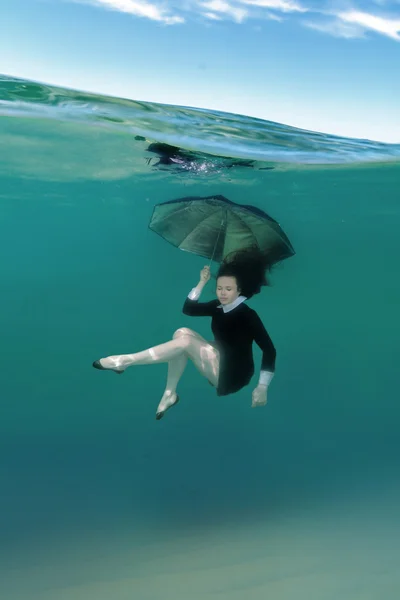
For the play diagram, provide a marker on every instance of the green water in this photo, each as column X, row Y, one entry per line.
column 99, row 501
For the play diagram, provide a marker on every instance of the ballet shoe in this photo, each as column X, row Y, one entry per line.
column 161, row 413
column 97, row 365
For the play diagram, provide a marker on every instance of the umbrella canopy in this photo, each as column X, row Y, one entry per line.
column 213, row 227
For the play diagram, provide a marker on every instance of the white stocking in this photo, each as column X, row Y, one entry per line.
column 184, row 345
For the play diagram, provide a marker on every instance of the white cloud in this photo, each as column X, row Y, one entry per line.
column 220, row 6
column 274, row 17
column 141, row 8
column 281, row 5
column 337, row 28
column 342, row 21
column 386, row 26
column 212, row 16
column 356, row 24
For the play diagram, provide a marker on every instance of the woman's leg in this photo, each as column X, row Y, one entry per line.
column 185, row 344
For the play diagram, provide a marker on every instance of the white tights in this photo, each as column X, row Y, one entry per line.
column 185, row 344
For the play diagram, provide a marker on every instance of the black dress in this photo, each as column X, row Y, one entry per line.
column 234, row 333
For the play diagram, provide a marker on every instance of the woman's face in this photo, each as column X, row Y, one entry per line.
column 227, row 289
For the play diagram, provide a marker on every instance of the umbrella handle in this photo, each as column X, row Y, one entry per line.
column 215, row 245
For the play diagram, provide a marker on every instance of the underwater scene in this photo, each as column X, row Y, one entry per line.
column 297, row 499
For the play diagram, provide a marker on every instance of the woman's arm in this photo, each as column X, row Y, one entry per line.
column 267, row 372
column 192, row 307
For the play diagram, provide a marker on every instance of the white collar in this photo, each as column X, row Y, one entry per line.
column 228, row 307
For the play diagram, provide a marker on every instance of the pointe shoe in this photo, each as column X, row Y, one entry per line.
column 97, row 365
column 161, row 413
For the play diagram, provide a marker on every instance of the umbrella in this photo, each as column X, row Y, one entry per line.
column 214, row 227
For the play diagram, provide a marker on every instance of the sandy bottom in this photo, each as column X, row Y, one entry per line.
column 348, row 551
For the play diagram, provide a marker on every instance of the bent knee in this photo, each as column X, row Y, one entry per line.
column 182, row 332
column 184, row 337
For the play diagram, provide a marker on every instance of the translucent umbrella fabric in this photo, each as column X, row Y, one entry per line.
column 213, row 227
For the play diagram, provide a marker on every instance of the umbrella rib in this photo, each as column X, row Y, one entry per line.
column 194, row 228
column 178, row 211
column 277, row 234
column 173, row 214
column 246, row 225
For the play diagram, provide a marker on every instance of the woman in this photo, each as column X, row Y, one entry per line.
column 227, row 362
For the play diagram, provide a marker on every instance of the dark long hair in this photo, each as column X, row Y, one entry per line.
column 251, row 269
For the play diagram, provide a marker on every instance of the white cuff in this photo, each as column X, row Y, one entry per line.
column 194, row 294
column 265, row 378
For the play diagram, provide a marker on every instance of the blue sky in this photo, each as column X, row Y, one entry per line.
column 331, row 66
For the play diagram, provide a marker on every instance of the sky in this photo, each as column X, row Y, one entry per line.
column 324, row 65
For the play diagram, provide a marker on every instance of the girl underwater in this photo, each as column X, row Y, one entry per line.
column 227, row 361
